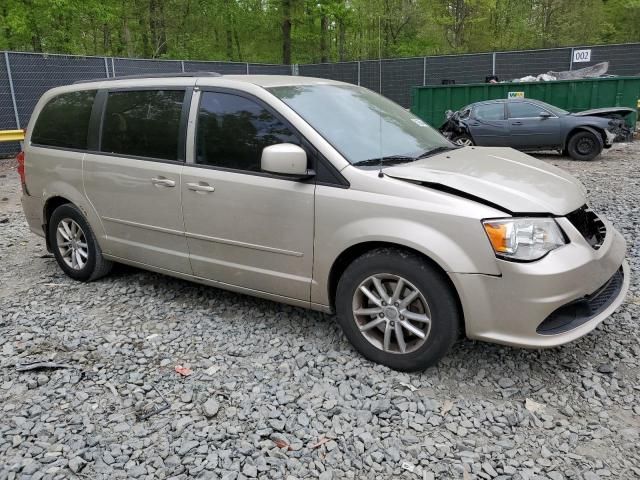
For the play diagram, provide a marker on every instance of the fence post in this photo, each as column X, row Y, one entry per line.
column 358, row 72
column 571, row 60
column 182, row 65
column 424, row 71
column 247, row 68
column 13, row 93
column 106, row 67
column 113, row 67
column 493, row 64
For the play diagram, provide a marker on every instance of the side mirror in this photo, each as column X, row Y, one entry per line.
column 544, row 115
column 285, row 159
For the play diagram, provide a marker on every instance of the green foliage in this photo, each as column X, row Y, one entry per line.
column 320, row 30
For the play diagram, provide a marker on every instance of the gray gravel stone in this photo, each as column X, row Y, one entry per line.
column 211, row 407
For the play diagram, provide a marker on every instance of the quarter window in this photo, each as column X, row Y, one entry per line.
column 490, row 111
column 524, row 110
column 233, row 130
column 64, row 121
column 143, row 123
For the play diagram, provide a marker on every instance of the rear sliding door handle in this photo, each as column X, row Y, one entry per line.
column 163, row 182
column 200, row 187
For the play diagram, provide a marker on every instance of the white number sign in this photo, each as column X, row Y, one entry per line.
column 581, row 56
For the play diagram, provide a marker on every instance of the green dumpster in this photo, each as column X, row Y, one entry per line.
column 431, row 102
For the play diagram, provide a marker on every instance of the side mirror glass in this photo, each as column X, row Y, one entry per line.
column 285, row 159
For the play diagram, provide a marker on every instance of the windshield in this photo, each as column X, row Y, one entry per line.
column 361, row 124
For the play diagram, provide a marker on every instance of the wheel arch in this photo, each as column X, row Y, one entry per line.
column 47, row 210
column 347, row 256
column 597, row 131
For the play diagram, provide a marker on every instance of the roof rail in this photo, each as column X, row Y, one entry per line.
column 152, row 75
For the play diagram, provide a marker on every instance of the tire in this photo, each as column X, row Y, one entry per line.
column 463, row 140
column 389, row 265
column 68, row 222
column 584, row 145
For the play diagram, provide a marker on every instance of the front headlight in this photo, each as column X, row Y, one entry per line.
column 523, row 239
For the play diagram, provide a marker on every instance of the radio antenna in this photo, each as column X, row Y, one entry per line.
column 380, row 174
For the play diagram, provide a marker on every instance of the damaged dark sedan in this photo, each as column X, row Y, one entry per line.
column 532, row 125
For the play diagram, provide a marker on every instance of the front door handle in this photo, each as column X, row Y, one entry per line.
column 516, row 123
column 163, row 182
column 200, row 187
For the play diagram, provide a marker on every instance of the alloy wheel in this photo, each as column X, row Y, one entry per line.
column 72, row 244
column 391, row 313
column 463, row 142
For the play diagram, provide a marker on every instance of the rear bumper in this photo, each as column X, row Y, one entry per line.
column 512, row 308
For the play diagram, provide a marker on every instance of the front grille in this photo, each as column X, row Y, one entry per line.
column 578, row 312
column 589, row 226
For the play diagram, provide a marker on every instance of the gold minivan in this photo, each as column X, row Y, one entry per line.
column 323, row 195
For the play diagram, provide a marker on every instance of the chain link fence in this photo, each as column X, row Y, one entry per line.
column 24, row 77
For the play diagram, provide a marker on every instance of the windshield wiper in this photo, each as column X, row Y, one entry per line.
column 390, row 159
column 434, row 151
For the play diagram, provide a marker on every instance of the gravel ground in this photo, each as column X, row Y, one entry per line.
column 277, row 392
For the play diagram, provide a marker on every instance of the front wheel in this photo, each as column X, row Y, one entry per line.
column 397, row 309
column 463, row 140
column 584, row 145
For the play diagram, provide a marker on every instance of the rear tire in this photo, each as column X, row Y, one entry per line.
column 428, row 324
column 75, row 246
column 584, row 145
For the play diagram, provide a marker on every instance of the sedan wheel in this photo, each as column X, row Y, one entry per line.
column 391, row 313
column 72, row 244
column 463, row 141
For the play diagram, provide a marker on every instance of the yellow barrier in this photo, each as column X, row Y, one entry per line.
column 11, row 135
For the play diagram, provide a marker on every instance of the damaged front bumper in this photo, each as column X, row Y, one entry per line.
column 549, row 302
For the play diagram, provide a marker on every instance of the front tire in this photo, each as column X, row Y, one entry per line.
column 584, row 145
column 75, row 246
column 397, row 309
column 463, row 140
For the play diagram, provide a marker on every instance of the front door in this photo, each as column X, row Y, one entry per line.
column 244, row 227
column 532, row 126
column 134, row 182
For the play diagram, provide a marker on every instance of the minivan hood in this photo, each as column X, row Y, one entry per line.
column 503, row 177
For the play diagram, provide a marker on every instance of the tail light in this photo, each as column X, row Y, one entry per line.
column 21, row 172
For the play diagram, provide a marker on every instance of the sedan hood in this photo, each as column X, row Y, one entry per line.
column 502, row 177
column 604, row 112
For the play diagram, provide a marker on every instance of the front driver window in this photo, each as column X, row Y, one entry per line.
column 233, row 130
column 524, row 110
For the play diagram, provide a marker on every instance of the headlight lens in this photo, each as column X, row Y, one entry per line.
column 523, row 239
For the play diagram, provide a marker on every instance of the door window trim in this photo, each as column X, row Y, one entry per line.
column 96, row 123
column 313, row 153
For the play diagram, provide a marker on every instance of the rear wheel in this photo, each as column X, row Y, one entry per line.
column 397, row 309
column 74, row 245
column 584, row 145
column 463, row 140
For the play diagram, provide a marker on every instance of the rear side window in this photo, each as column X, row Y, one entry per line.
column 490, row 111
column 233, row 130
column 143, row 123
column 64, row 121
